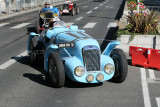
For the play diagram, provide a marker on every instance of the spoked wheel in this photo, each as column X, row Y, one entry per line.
column 121, row 65
column 56, row 70
column 73, row 11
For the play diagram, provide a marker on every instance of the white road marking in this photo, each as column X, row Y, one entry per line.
column 12, row 61
column 107, row 6
column 96, row 7
column 111, row 7
column 89, row 25
column 151, row 74
column 3, row 24
column 68, row 24
column 100, row 4
column 85, row 6
column 20, row 25
column 158, row 101
column 79, row 18
column 112, row 24
column 146, row 97
column 157, row 80
column 89, row 12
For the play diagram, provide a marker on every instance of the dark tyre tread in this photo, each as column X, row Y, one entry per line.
column 122, row 69
column 32, row 49
column 73, row 11
column 37, row 26
column 59, row 69
column 77, row 10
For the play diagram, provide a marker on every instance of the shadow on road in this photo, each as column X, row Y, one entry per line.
column 40, row 78
column 111, row 33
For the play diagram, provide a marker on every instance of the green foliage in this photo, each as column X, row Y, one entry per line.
column 143, row 23
column 134, row 0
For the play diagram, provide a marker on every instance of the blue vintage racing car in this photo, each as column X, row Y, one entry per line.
column 69, row 51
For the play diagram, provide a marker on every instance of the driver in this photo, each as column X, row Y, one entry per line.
column 48, row 7
column 67, row 1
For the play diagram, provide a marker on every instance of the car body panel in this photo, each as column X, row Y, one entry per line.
column 73, row 56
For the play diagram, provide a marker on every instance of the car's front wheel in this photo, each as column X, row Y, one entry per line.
column 121, row 65
column 56, row 70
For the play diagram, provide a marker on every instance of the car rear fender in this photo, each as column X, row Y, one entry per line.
column 110, row 47
column 32, row 35
column 49, row 50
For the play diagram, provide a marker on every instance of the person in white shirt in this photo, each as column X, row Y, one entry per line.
column 67, row 1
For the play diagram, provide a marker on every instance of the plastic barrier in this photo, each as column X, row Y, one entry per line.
column 146, row 57
column 154, row 60
column 139, row 56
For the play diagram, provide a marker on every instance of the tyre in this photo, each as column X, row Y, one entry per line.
column 77, row 9
column 121, row 65
column 56, row 70
column 37, row 27
column 73, row 11
column 33, row 48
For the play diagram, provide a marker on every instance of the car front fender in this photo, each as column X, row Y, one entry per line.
column 110, row 47
column 49, row 50
column 31, row 35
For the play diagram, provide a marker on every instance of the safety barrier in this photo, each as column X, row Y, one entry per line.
column 146, row 57
column 154, row 60
column 18, row 5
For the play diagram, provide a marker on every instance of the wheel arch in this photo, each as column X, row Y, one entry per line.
column 50, row 49
column 32, row 35
column 110, row 47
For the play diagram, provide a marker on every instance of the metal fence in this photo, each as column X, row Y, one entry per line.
column 18, row 5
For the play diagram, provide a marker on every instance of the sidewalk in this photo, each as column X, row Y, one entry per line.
column 146, row 41
column 26, row 11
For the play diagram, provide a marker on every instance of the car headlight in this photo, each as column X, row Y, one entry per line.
column 42, row 15
column 55, row 15
column 90, row 78
column 79, row 71
column 100, row 77
column 109, row 69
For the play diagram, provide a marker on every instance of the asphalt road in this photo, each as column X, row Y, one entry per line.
column 23, row 85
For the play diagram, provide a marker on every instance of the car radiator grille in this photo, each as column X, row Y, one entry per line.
column 91, row 60
column 48, row 16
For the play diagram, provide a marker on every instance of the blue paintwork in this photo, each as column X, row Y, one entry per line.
column 53, row 9
column 110, row 47
column 31, row 35
column 72, row 56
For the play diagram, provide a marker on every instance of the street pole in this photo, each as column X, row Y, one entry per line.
column 9, row 6
column 0, row 8
column 138, row 6
column 31, row 3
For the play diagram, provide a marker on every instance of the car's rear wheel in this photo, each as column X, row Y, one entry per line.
column 56, row 70
column 33, row 48
column 77, row 9
column 73, row 11
column 121, row 65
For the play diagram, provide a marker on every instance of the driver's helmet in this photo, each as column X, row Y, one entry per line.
column 47, row 4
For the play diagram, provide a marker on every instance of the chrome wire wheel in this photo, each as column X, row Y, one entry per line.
column 53, row 70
